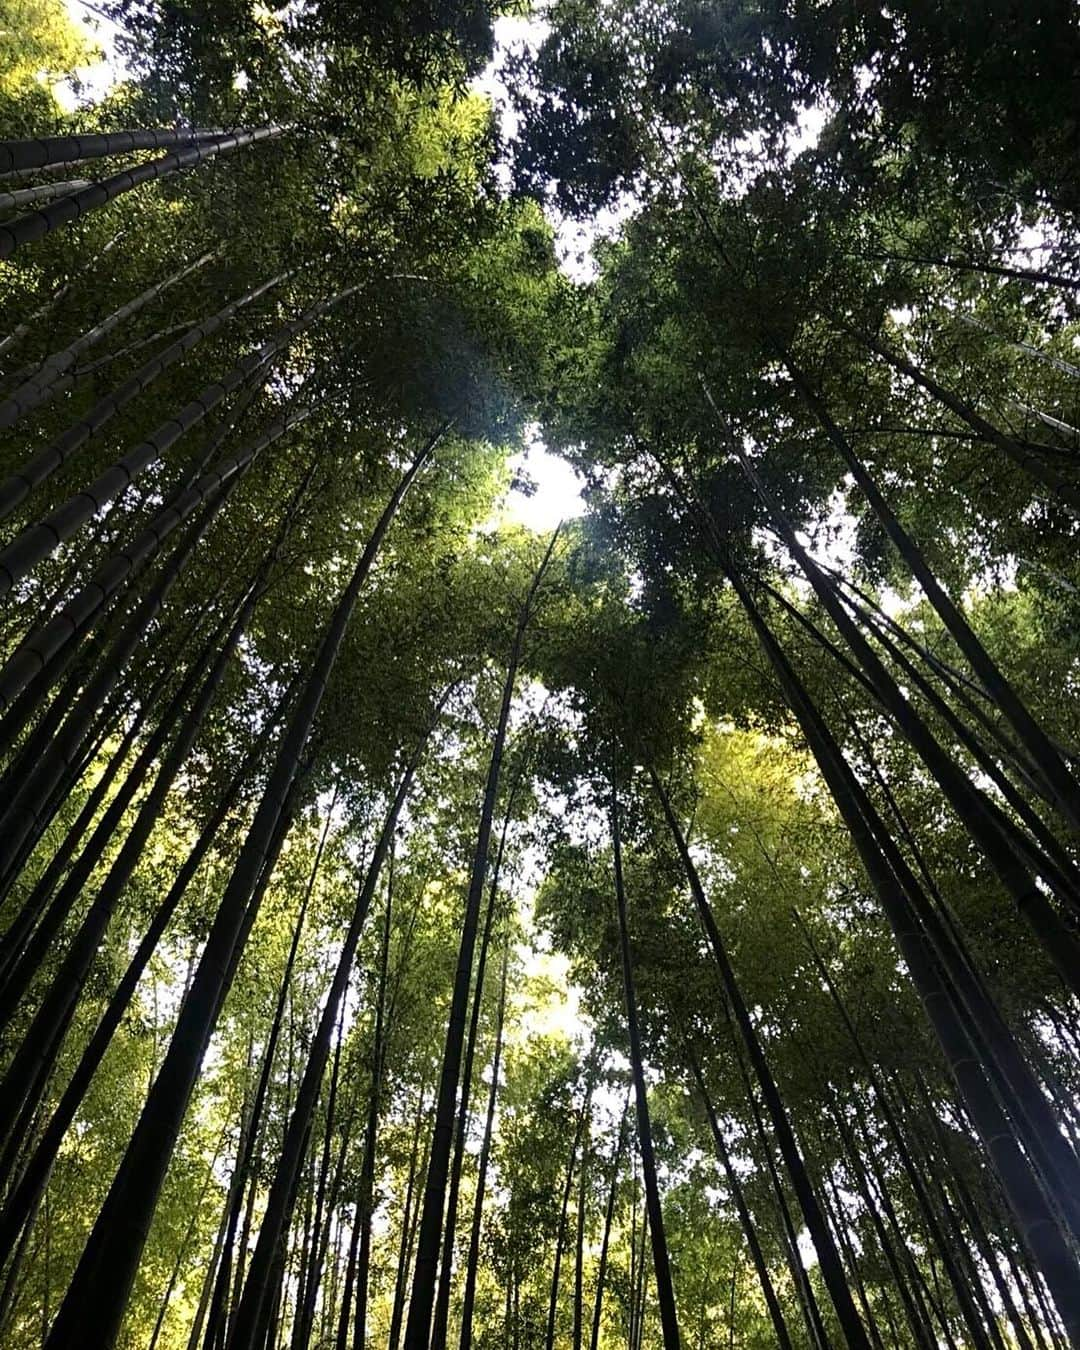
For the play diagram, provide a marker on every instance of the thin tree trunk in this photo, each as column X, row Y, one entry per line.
column 631, row 1318
column 1024, row 348
column 441, row 1317
column 21, row 1200
column 913, row 1173
column 966, row 800
column 341, row 1338
column 985, row 1026
column 305, row 1186
column 195, row 1333
column 290, row 1258
column 252, row 1314
column 330, row 1294
column 182, row 1250
column 22, row 926
column 641, row 1293
column 217, row 1254
column 9, row 1295
column 1046, row 857
column 312, row 1270
column 922, row 1334
column 137, row 345
column 29, row 228
column 99, row 1289
column 42, row 383
column 952, row 1222
column 46, row 1030
column 976, row 1227
column 42, row 152
column 16, row 198
column 42, row 465
column 22, row 818
column 1021, row 453
column 472, row 1264
column 987, row 269
column 330, row 1299
column 418, row 1327
column 761, row 1268
column 605, row 1240
column 366, row 1198
column 869, row 836
column 838, row 1219
column 1031, row 734
column 731, row 1307
column 80, row 613
column 40, row 540
column 408, row 1228
column 46, row 1298
column 69, row 893
column 68, row 636
column 800, row 1278
column 94, row 923
column 1024, row 1279
column 831, row 1265
column 28, row 324
column 564, row 1208
column 579, row 1256
column 215, row 1324
column 664, row 1291
column 87, row 688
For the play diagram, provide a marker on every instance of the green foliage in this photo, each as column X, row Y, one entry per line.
column 751, row 266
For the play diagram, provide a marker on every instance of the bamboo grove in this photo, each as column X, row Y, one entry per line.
column 425, row 929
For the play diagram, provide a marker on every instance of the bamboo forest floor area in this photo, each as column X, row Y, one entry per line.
column 539, row 675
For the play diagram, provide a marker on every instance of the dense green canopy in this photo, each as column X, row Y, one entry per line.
column 426, row 923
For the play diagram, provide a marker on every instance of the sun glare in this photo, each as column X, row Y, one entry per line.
column 555, row 493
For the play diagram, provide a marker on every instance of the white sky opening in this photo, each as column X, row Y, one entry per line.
column 557, row 494
column 96, row 80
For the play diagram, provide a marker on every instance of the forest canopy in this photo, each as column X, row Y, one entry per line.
column 440, row 907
